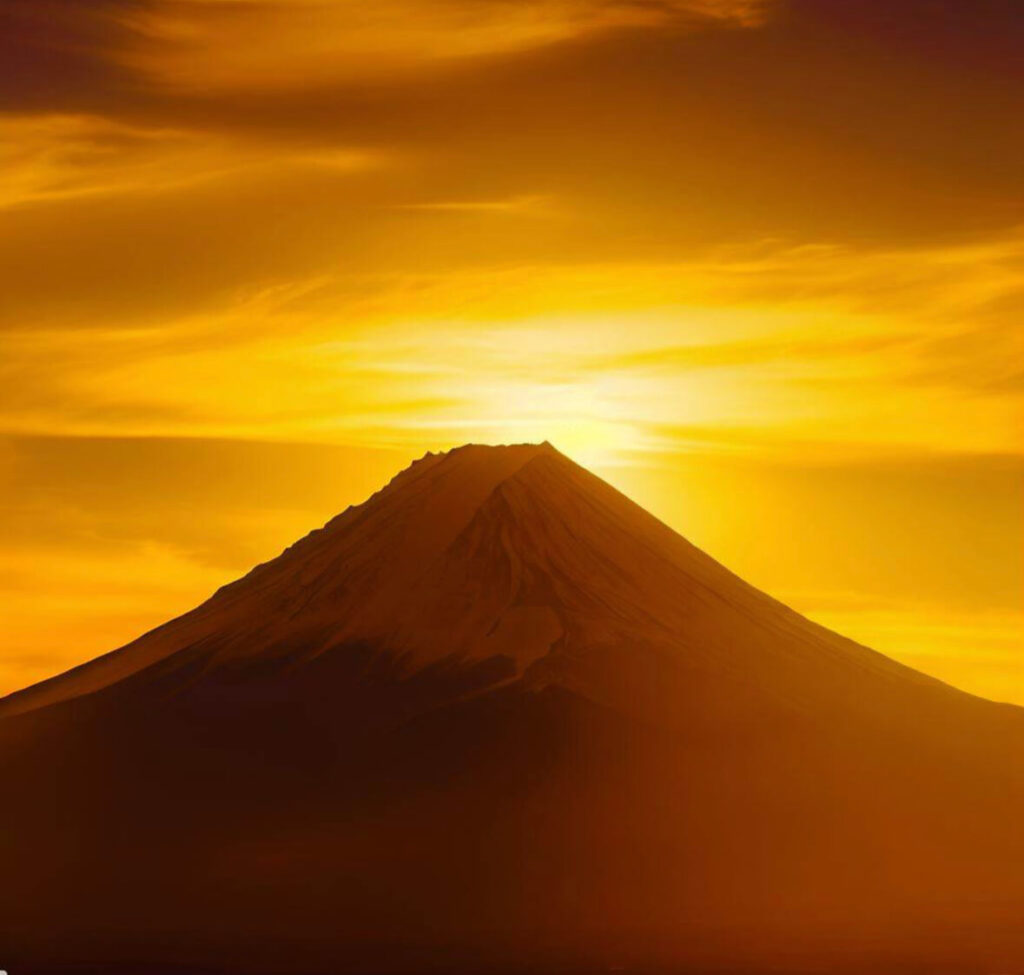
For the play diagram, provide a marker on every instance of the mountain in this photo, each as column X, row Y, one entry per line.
column 499, row 718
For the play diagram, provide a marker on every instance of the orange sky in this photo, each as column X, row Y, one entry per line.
column 760, row 264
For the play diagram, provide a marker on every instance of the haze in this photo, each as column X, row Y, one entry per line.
column 758, row 264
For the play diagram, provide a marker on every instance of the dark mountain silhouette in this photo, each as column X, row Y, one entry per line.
column 500, row 718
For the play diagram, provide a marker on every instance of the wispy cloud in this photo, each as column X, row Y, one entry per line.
column 223, row 43
column 662, row 357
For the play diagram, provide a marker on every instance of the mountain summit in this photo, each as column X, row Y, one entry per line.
column 511, row 557
column 495, row 717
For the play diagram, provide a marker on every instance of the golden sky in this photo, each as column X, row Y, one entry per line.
column 760, row 264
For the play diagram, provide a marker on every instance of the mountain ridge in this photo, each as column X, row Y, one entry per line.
column 497, row 718
column 21, row 699
column 483, row 475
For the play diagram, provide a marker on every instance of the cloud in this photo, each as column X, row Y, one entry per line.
column 224, row 44
column 764, row 348
column 64, row 52
column 73, row 56
column 107, row 226
column 136, row 200
column 48, row 158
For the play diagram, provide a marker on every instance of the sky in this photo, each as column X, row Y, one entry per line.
column 759, row 264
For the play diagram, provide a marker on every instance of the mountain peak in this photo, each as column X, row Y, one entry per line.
column 508, row 554
column 522, row 446
column 476, row 460
column 498, row 705
column 494, row 457
column 343, row 582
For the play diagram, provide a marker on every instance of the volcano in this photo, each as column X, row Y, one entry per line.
column 499, row 718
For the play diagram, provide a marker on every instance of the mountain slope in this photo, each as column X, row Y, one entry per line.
column 490, row 552
column 496, row 716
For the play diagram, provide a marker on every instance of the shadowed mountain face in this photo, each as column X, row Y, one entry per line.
column 496, row 718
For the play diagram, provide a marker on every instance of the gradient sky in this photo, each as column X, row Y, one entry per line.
column 760, row 264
